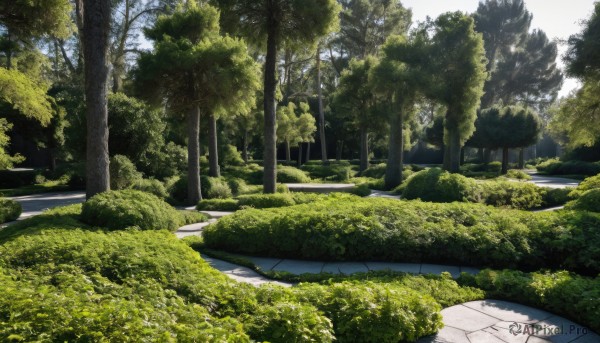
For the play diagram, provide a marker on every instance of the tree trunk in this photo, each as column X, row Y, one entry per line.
column 447, row 157
column 307, row 152
column 321, row 111
column 364, row 148
column 288, row 152
column 213, row 151
column 522, row 158
column 455, row 149
column 504, row 161
column 96, row 30
column 194, row 194
column 393, row 171
column 339, row 150
column 270, row 139
column 245, row 147
column 462, row 155
column 300, row 155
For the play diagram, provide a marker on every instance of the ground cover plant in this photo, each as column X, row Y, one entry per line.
column 77, row 277
column 9, row 210
column 574, row 168
column 413, row 231
column 121, row 209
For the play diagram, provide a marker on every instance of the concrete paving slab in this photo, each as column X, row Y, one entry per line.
column 446, row 335
column 505, row 335
column 588, row 337
column 483, row 337
column 509, row 312
column 467, row 319
column 194, row 227
column 345, row 268
column 383, row 194
column 558, row 330
column 299, row 267
column 412, row 268
column 264, row 263
column 241, row 274
column 552, row 181
column 35, row 204
column 438, row 269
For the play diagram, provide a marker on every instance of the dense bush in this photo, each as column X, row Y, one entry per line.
column 369, row 312
column 375, row 171
column 151, row 186
column 518, row 195
column 561, row 292
column 556, row 167
column 251, row 173
column 177, row 188
column 592, row 182
column 169, row 161
column 588, row 201
column 17, row 178
column 77, row 280
column 331, row 172
column 9, row 210
column 552, row 197
column 361, row 190
column 266, row 200
column 287, row 174
column 439, row 186
column 518, row 174
column 121, row 209
column 122, row 173
column 230, row 156
column 218, row 205
column 238, row 186
column 392, row 230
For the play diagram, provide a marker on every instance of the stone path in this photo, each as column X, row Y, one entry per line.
column 551, row 181
column 37, row 203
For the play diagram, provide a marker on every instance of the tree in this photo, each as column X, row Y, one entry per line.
column 6, row 160
column 397, row 79
column 295, row 125
column 506, row 128
column 355, row 98
column 96, row 30
column 197, row 70
column 276, row 21
column 459, row 74
column 583, row 54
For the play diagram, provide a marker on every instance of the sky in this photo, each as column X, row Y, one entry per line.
column 558, row 18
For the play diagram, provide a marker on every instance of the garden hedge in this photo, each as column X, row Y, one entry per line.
column 118, row 210
column 9, row 210
column 413, row 231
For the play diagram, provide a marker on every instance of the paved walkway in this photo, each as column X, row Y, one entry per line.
column 551, row 181
column 37, row 203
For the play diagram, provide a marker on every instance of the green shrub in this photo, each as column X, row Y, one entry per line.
column 238, row 186
column 266, row 200
column 518, row 195
column 9, row 210
column 305, row 198
column 369, row 312
column 251, row 173
column 361, row 190
column 592, row 182
column 17, row 178
column 282, row 188
column 218, row 205
column 588, row 201
column 214, row 188
column 355, row 229
column 375, row 171
column 556, row 167
column 118, row 210
column 122, row 173
column 330, row 172
column 192, row 217
column 177, row 188
column 439, row 186
column 552, row 197
column 152, row 186
column 169, row 161
column 288, row 174
column 518, row 174
column 290, row 322
column 230, row 156
column 560, row 292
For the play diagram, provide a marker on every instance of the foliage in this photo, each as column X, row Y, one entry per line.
column 439, row 186
column 361, row 190
column 331, row 172
column 123, row 173
column 370, row 312
column 588, row 201
column 510, row 194
column 169, row 161
column 17, row 178
column 9, row 210
column 295, row 124
column 7, row 161
column 582, row 55
column 518, row 174
column 152, row 186
column 556, row 197
column 376, row 171
column 592, row 182
column 258, row 201
column 556, row 167
column 118, row 210
column 266, row 200
column 356, row 229
column 287, row 174
column 559, row 292
column 215, row 188
column 26, row 18
column 230, row 156
column 218, row 205
column 25, row 95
